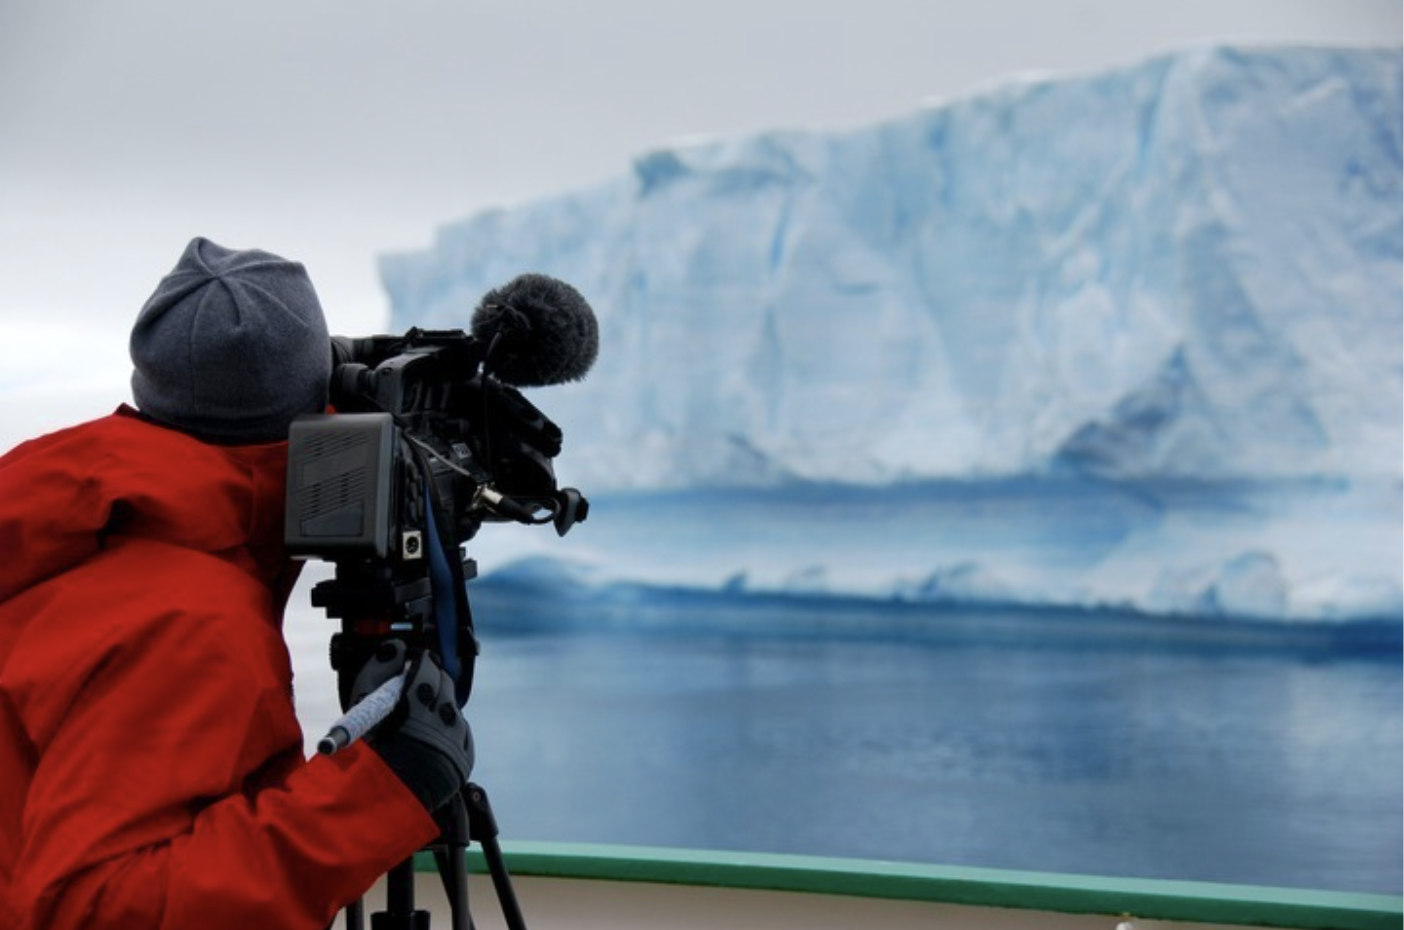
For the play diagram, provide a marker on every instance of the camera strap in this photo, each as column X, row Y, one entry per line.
column 452, row 614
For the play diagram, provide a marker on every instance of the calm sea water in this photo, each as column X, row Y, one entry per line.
column 1059, row 742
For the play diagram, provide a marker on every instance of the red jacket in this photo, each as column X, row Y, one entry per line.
column 151, row 767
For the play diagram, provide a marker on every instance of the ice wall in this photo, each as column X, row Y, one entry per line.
column 1188, row 268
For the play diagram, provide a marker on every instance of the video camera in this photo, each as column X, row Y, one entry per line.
column 430, row 439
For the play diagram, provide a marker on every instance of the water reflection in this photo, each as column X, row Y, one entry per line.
column 1106, row 745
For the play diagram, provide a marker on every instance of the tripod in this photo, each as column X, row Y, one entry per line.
column 374, row 607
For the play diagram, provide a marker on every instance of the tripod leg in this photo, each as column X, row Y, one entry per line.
column 453, row 872
column 400, row 913
column 482, row 826
column 458, row 895
column 449, row 856
column 506, row 895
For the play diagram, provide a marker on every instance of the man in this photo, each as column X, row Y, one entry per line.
column 151, row 767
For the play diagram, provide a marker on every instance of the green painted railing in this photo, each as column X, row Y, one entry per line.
column 1152, row 899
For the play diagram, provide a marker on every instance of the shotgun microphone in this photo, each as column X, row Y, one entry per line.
column 538, row 330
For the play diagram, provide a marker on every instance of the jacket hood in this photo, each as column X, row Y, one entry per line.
column 63, row 495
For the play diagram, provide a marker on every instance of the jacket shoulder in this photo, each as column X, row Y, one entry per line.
column 63, row 494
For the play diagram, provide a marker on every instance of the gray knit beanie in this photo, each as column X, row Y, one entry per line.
column 231, row 346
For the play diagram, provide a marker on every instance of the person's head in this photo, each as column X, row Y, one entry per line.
column 231, row 346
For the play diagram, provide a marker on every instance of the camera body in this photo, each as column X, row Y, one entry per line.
column 417, row 414
column 424, row 447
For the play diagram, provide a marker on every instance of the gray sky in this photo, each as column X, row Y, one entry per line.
column 333, row 130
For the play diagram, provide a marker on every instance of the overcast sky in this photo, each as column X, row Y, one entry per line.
column 333, row 130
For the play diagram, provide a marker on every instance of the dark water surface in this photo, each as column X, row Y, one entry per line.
column 1058, row 742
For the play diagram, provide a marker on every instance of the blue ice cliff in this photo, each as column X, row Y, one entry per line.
column 1186, row 272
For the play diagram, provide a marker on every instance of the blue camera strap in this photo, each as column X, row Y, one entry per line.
column 446, row 597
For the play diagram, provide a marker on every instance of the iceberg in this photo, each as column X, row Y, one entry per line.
column 1183, row 274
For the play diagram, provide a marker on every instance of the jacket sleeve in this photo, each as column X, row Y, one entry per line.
column 171, row 791
column 286, row 858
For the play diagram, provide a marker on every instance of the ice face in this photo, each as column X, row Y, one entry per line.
column 1186, row 270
